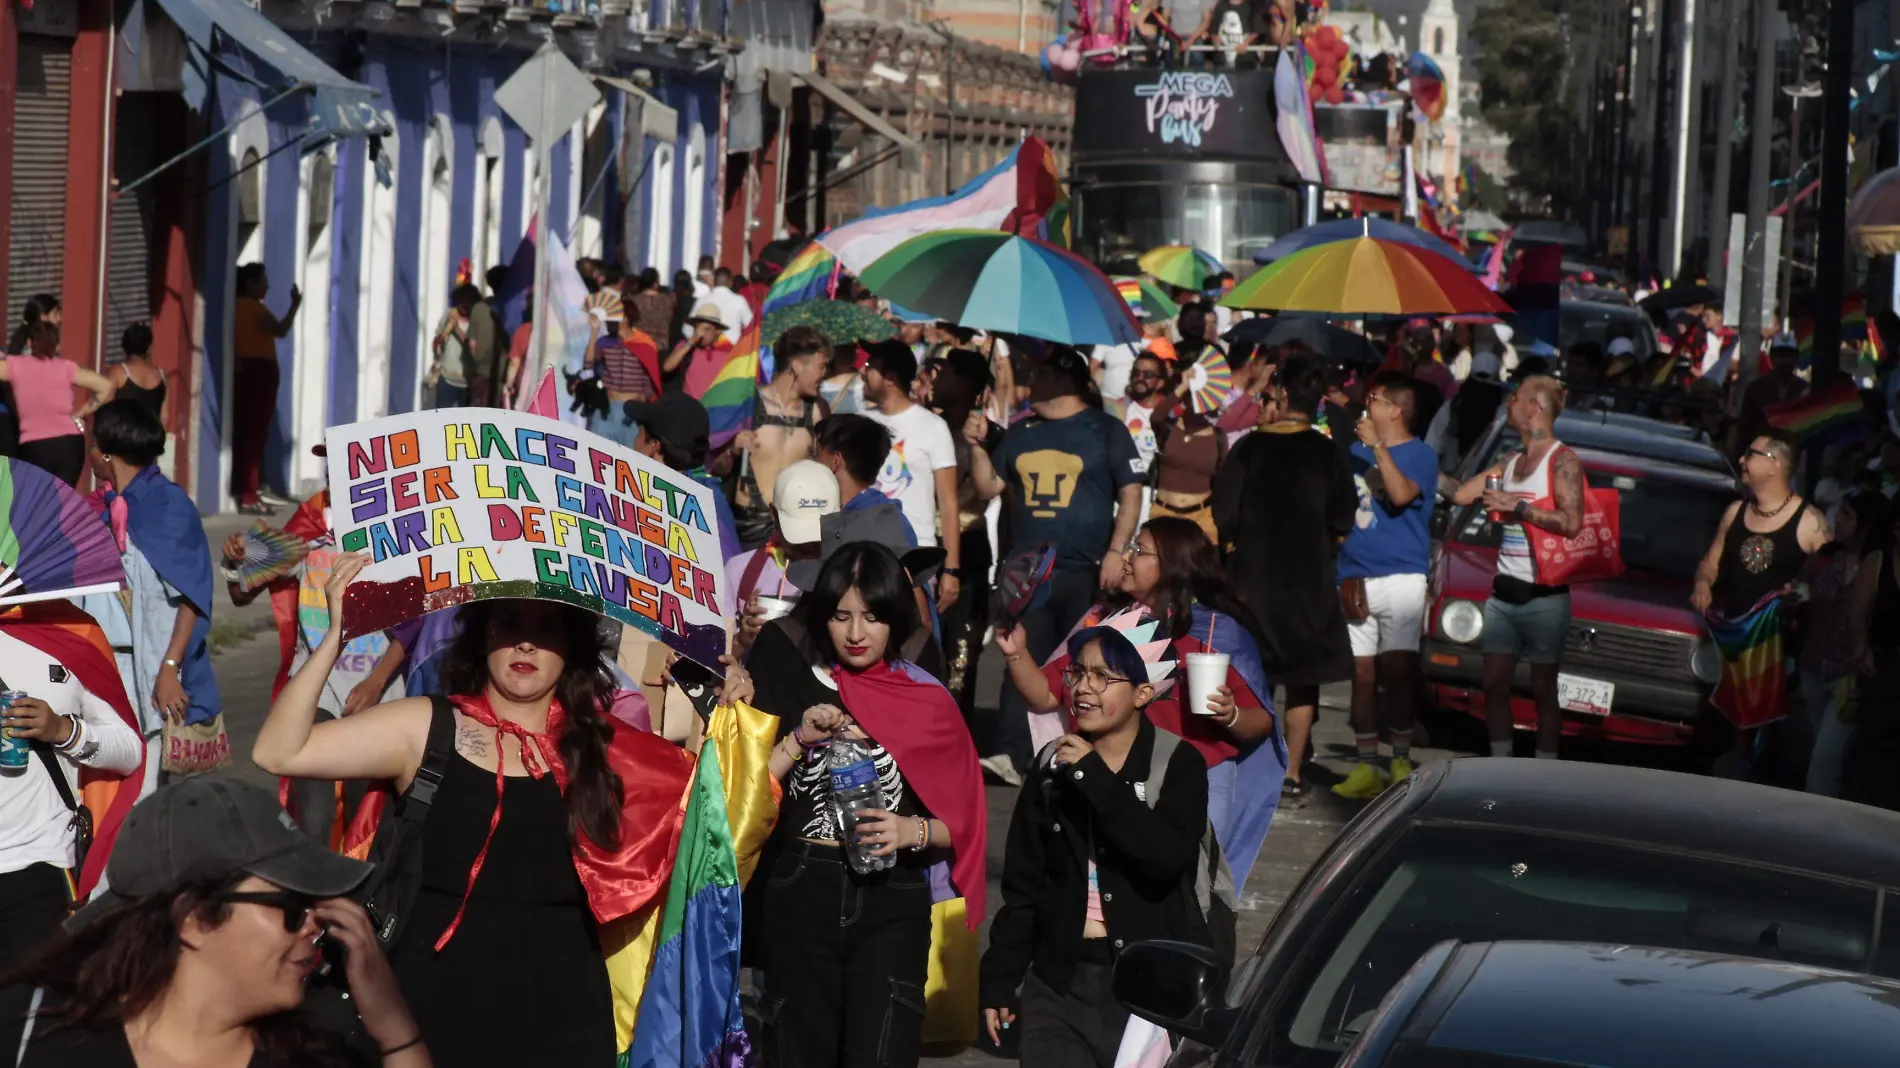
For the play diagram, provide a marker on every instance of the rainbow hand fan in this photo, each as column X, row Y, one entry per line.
column 52, row 542
column 269, row 554
column 606, row 305
column 1209, row 381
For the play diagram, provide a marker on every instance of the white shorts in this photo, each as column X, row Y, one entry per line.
column 1398, row 616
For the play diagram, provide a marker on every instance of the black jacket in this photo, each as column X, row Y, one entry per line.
column 1144, row 860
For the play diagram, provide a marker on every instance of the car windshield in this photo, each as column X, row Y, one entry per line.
column 1596, row 324
column 1665, row 527
column 1489, row 884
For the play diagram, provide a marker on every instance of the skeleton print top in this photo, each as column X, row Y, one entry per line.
column 806, row 809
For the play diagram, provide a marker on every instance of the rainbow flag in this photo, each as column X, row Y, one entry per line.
column 1754, row 686
column 739, row 738
column 1822, row 417
column 689, row 1013
column 728, row 398
column 1854, row 317
column 1873, row 352
column 1804, row 341
column 812, row 275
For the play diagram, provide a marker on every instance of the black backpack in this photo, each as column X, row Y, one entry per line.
column 390, row 894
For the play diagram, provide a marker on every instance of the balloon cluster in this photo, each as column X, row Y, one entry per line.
column 1331, row 57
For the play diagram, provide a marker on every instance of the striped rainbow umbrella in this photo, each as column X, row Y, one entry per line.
column 1366, row 276
column 1182, row 266
column 992, row 280
column 1146, row 299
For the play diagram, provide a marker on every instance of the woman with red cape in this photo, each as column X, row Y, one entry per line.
column 846, row 953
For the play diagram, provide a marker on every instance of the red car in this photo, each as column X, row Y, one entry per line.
column 1637, row 663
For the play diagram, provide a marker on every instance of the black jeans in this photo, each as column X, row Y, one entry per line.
column 1071, row 593
column 1077, row 1028
column 845, row 959
column 33, row 901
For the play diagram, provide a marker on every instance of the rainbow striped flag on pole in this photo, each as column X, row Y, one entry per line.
column 1754, row 686
column 689, row 1012
column 1821, row 417
column 728, row 398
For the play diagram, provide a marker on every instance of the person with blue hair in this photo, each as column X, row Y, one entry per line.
column 1101, row 853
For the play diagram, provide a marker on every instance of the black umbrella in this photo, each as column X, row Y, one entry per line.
column 1680, row 296
column 1325, row 340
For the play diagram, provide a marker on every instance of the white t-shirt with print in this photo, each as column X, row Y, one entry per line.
column 920, row 447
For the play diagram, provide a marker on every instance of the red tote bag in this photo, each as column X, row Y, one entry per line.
column 1593, row 555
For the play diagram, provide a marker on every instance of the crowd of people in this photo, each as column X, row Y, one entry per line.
column 1149, row 563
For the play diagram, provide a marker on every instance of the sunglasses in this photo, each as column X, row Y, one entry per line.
column 296, row 906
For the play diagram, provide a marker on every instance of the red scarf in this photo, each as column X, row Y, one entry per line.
column 72, row 638
column 654, row 775
column 917, row 721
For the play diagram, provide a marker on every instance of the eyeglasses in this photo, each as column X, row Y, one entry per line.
column 1134, row 548
column 296, row 906
column 1763, row 453
column 1098, row 679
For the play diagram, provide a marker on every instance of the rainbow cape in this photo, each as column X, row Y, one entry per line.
column 728, row 397
column 742, row 738
column 1821, row 417
column 690, row 1015
column 1754, row 686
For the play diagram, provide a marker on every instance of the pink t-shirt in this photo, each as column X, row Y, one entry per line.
column 42, row 396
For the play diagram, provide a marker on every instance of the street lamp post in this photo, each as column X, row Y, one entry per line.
column 1761, row 139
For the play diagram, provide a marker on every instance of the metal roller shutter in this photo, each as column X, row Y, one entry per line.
column 129, row 241
column 36, row 253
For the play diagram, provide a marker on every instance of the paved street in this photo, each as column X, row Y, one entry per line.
column 246, row 666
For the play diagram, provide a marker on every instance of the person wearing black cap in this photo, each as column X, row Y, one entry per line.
column 201, row 950
column 1074, row 478
column 675, row 430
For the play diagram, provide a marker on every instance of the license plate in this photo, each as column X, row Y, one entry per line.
column 1588, row 696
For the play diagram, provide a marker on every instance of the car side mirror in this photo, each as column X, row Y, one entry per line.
column 1177, row 985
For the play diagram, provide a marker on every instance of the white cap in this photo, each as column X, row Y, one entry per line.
column 805, row 492
column 1621, row 346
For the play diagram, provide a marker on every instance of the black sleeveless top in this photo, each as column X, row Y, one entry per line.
column 1755, row 565
column 153, row 399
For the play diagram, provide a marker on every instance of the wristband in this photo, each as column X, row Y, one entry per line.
column 73, row 739
column 1523, row 508
column 416, row 1041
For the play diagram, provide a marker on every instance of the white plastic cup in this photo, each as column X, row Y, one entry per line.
column 774, row 607
column 1206, row 673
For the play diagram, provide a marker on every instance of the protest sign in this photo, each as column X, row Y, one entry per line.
column 465, row 504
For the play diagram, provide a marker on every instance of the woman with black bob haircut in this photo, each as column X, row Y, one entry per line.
column 548, row 818
column 203, row 949
column 846, row 952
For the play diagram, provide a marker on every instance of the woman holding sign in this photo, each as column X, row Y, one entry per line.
column 545, row 818
column 845, row 911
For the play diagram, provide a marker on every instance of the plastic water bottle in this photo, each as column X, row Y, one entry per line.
column 854, row 788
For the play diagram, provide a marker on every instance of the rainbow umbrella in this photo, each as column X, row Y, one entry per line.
column 1146, row 299
column 1182, row 266
column 52, row 543
column 1365, row 276
column 1367, row 226
column 992, row 280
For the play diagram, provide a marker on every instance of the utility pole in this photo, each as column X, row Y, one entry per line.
column 1831, row 206
column 1660, row 156
column 1761, row 137
column 1716, row 265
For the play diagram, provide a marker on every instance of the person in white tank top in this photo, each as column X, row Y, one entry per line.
column 1524, row 620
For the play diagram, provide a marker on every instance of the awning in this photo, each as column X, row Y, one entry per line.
column 341, row 107
column 657, row 120
column 845, row 102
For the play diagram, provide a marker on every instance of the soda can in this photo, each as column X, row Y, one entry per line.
column 15, row 752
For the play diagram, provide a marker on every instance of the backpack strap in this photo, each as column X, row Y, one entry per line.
column 436, row 754
column 1158, row 757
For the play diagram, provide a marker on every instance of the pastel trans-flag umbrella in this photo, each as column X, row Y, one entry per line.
column 991, row 280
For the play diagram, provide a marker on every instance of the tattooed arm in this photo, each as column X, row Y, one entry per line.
column 1711, row 565
column 1566, row 490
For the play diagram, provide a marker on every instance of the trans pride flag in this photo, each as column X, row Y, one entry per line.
column 1014, row 195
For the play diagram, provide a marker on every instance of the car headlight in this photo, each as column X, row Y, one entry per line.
column 1461, row 622
column 1706, row 662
